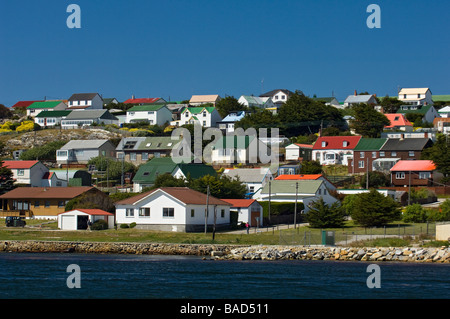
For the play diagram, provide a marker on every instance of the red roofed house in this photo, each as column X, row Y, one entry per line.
column 296, row 152
column 330, row 186
column 330, row 150
column 399, row 122
column 413, row 172
column 144, row 101
column 28, row 173
column 78, row 218
column 24, row 104
column 249, row 211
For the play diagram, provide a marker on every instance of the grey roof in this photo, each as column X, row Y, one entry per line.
column 247, row 175
column 406, row 144
column 83, row 144
column 359, row 98
column 288, row 187
column 151, row 143
column 273, row 92
column 130, row 142
column 91, row 114
column 82, row 96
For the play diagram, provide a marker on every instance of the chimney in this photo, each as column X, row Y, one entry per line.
column 355, row 93
column 132, row 96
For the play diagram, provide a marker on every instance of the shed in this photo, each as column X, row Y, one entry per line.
column 77, row 219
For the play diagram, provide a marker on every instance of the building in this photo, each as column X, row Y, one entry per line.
column 278, row 96
column 77, row 219
column 109, row 100
column 85, row 101
column 138, row 150
column 444, row 112
column 87, row 118
column 442, row 124
column 364, row 154
column 228, row 122
column 178, row 209
column 416, row 96
column 251, row 101
column 330, row 150
column 22, row 105
column 253, row 178
column 27, row 173
column 143, row 101
column 413, row 173
column 298, row 152
column 427, row 112
column 38, row 107
column 50, row 118
column 197, row 100
column 248, row 211
column 81, row 151
column 369, row 99
column 399, row 122
column 205, row 116
column 331, row 101
column 41, row 202
column 153, row 114
column 313, row 177
column 245, row 149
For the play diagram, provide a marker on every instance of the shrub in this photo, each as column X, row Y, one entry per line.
column 415, row 213
column 132, row 225
column 281, row 208
column 124, row 226
column 322, row 215
column 99, row 225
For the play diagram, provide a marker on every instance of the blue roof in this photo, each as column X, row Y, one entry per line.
column 234, row 116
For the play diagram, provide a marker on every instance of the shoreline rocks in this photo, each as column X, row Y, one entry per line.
column 237, row 252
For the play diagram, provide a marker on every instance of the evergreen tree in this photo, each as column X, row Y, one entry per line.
column 321, row 215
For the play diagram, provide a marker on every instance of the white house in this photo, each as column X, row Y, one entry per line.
column 206, row 116
column 245, row 149
column 27, row 172
column 77, row 219
column 178, row 209
column 278, row 96
column 81, row 151
column 249, row 211
column 330, row 150
column 427, row 111
column 50, row 118
column 37, row 107
column 358, row 99
column 253, row 178
column 227, row 124
column 296, row 151
column 154, row 114
column 416, row 96
column 444, row 112
column 256, row 101
column 85, row 101
column 88, row 117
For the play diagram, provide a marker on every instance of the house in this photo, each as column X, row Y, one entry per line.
column 27, row 173
column 256, row 101
column 243, row 149
column 227, row 124
column 85, row 101
column 50, row 179
column 42, row 202
column 444, row 112
column 302, row 191
column 364, row 154
column 369, row 99
column 296, row 177
column 248, row 211
column 147, row 173
column 138, row 150
column 178, row 209
column 427, row 112
column 416, row 96
column 107, row 101
column 418, row 133
column 38, row 107
column 197, row 100
column 205, row 116
column 143, row 101
column 399, row 122
column 253, row 178
column 73, row 177
column 81, row 151
column 50, row 118
column 278, row 96
column 298, row 152
column 88, row 117
column 413, row 173
column 153, row 114
column 22, row 105
column 330, row 150
column 77, row 219
column 442, row 124
column 331, row 101
column 289, row 169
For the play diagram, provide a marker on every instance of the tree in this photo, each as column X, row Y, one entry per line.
column 439, row 153
column 322, row 215
column 91, row 201
column 367, row 121
column 415, row 213
column 376, row 179
column 374, row 209
column 229, row 104
column 390, row 104
column 6, row 179
column 44, row 152
column 311, row 167
column 259, row 119
column 5, row 112
column 111, row 167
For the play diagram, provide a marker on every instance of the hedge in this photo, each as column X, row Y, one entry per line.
column 281, row 208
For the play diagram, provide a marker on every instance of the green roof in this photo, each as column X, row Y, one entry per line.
column 369, row 144
column 44, row 105
column 146, row 107
column 288, row 187
column 53, row 113
column 197, row 170
column 420, row 109
column 199, row 109
column 234, row 141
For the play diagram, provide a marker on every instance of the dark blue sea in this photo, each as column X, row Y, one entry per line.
column 45, row 276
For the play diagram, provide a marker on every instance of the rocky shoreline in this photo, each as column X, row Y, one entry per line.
column 237, row 252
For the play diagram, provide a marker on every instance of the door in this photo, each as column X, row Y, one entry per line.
column 82, row 222
column 253, row 221
column 69, row 222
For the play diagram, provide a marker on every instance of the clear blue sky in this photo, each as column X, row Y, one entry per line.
column 174, row 49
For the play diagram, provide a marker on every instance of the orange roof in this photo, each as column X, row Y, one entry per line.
column 90, row 211
column 397, row 119
column 240, row 202
column 46, row 192
column 414, row 165
column 304, row 145
column 19, row 164
column 298, row 176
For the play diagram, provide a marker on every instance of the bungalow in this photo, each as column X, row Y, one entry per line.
column 298, row 152
column 369, row 99
column 413, row 173
column 399, row 122
column 243, row 149
column 38, row 107
column 329, row 150
column 27, row 173
column 51, row 118
column 253, row 178
column 143, row 101
column 81, row 151
column 138, row 150
column 88, row 117
column 248, row 211
column 197, row 100
column 85, row 101
column 256, row 101
column 77, row 219
column 206, row 116
column 302, row 191
column 416, row 96
column 313, row 177
column 364, row 154
column 227, row 124
column 427, row 112
column 41, row 202
column 444, row 112
column 178, row 209
column 154, row 114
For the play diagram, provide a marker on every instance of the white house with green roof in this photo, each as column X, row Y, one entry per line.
column 256, row 101
column 38, row 107
column 154, row 114
column 205, row 116
column 50, row 118
column 428, row 112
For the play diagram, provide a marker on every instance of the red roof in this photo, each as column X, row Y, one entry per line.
column 298, row 176
column 304, row 145
column 142, row 101
column 240, row 202
column 90, row 211
column 19, row 164
column 25, row 104
column 397, row 119
column 414, row 165
column 46, row 192
column 336, row 142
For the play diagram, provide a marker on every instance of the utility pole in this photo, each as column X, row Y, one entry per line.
column 214, row 225
column 206, row 211
column 409, row 191
column 269, row 198
column 295, row 210
column 367, row 174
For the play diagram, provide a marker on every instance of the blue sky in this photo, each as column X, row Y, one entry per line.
column 174, row 49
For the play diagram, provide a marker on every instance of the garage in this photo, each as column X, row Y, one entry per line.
column 78, row 219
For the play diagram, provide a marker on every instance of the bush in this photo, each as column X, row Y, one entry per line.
column 281, row 208
column 132, row 225
column 99, row 225
column 415, row 213
column 323, row 216
column 124, row 226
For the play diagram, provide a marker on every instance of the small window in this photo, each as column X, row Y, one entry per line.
column 344, row 144
column 148, row 144
column 411, row 153
column 381, row 154
column 394, row 153
column 361, row 154
column 324, row 144
column 61, row 203
column 424, row 175
column 360, row 164
column 192, row 213
column 400, row 175
column 222, row 213
column 20, row 172
column 129, row 212
column 168, row 212
column 47, row 203
column 144, row 212
column 36, row 203
column 374, row 154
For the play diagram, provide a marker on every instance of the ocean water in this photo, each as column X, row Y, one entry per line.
column 45, row 276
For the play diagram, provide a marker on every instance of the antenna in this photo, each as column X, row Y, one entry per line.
column 262, row 86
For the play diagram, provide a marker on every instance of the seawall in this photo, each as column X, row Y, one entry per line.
column 237, row 252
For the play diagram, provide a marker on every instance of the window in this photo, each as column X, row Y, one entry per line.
column 186, row 114
column 36, row 203
column 344, row 144
column 400, row 175
column 168, row 212
column 169, row 144
column 204, row 113
column 360, row 164
column 324, row 144
column 283, row 97
column 144, row 212
column 79, row 152
column 374, row 154
column 148, row 144
column 61, row 203
column 418, row 96
column 361, row 154
column 131, row 113
column 404, row 96
column 150, row 112
column 251, row 189
column 319, row 191
column 411, row 153
column 20, row 172
column 394, row 153
column 129, row 212
column 381, row 153
column 47, row 203
column 132, row 156
column 222, row 213
column 192, row 213
column 144, row 156
column 129, row 145
column 204, row 123
column 424, row 175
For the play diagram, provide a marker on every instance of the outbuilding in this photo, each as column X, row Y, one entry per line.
column 78, row 219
